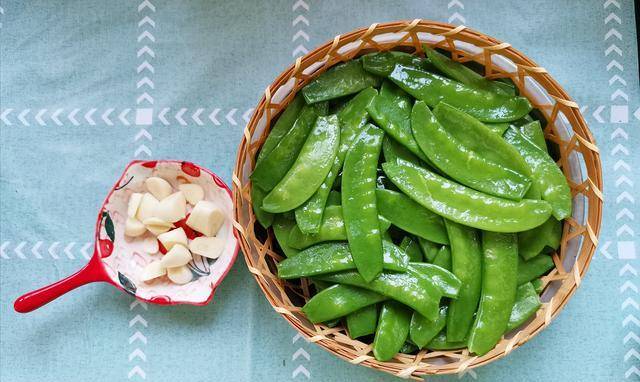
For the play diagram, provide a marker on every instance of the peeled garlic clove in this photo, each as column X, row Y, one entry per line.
column 153, row 270
column 177, row 256
column 210, row 247
column 206, row 218
column 148, row 206
column 179, row 275
column 192, row 192
column 158, row 187
column 173, row 237
column 133, row 227
column 157, row 230
column 172, row 208
column 134, row 204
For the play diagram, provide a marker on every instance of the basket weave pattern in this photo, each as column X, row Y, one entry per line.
column 579, row 159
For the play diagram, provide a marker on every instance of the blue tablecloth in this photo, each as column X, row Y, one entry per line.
column 86, row 86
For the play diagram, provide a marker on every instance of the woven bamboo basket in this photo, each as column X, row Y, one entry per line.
column 578, row 157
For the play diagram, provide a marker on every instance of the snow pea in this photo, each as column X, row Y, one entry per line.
column 527, row 303
column 499, row 274
column 392, row 330
column 382, row 63
column 533, row 268
column 443, row 258
column 498, row 128
column 429, row 249
column 479, row 138
column 275, row 164
column 422, row 331
column 352, row 118
column 540, row 239
column 335, row 257
column 409, row 288
column 359, row 202
column 408, row 348
column 464, row 205
column 440, row 342
column 310, row 168
column 257, row 196
column 339, row 81
column 363, row 322
column 533, row 132
column 337, row 301
column 446, row 282
column 331, row 229
column 466, row 265
column 394, row 152
column 538, row 285
column 282, row 227
column 455, row 159
column 410, row 246
column 545, row 173
column 391, row 110
column 282, row 126
column 334, row 199
column 410, row 216
column 464, row 74
column 484, row 105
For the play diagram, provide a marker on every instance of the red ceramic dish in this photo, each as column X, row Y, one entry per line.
column 119, row 261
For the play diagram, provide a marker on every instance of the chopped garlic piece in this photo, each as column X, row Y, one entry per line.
column 206, row 218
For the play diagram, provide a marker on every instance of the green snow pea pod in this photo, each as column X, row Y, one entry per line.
column 429, row 249
column 282, row 227
column 498, row 128
column 392, row 331
column 484, row 105
column 422, row 331
column 533, row 132
column 499, row 276
column 527, row 303
column 309, row 169
column 331, row 229
column 362, row 322
column 275, row 164
column 391, row 110
column 466, row 264
column 408, row 348
column 257, row 196
column 352, row 119
column 545, row 173
column 533, row 268
column 409, row 288
column 476, row 136
column 443, row 258
column 541, row 239
column 440, row 342
column 465, row 205
column 359, row 202
column 410, row 246
column 538, row 285
column 338, row 301
column 462, row 73
column 335, row 257
column 339, row 81
column 446, row 282
column 394, row 152
column 282, row 126
column 461, row 163
column 382, row 63
column 334, row 199
column 409, row 216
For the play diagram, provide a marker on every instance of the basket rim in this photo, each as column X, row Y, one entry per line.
column 461, row 33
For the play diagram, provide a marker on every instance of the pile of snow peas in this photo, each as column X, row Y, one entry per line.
column 418, row 197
